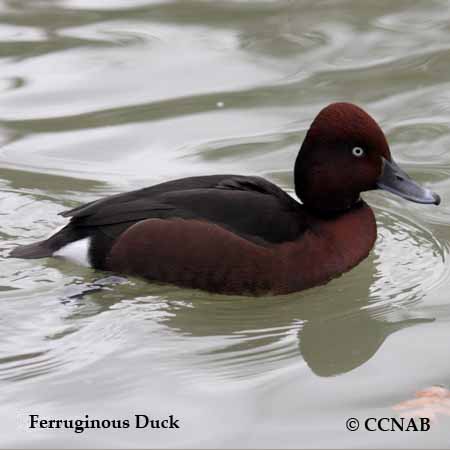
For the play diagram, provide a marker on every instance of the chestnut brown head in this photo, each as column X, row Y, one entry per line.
column 345, row 153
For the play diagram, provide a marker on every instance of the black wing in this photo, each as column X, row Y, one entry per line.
column 250, row 206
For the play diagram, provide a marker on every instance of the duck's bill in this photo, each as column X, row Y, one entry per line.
column 395, row 180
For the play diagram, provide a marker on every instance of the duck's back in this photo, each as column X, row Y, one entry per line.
column 252, row 208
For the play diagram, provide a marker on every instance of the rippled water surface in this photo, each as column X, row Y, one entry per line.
column 103, row 96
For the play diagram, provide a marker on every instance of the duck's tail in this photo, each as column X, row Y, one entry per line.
column 37, row 250
column 47, row 247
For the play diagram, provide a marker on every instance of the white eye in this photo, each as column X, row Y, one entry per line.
column 358, row 152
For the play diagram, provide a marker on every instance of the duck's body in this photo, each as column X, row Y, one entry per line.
column 236, row 234
column 222, row 233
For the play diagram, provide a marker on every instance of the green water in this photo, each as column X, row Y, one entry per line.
column 98, row 97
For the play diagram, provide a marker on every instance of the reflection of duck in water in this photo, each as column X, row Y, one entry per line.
column 334, row 346
column 237, row 234
column 336, row 331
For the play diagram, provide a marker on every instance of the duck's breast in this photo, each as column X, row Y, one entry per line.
column 326, row 250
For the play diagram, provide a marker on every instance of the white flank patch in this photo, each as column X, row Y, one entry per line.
column 76, row 252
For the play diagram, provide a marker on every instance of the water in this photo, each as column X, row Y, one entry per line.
column 98, row 97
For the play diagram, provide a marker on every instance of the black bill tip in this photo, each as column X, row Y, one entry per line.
column 437, row 198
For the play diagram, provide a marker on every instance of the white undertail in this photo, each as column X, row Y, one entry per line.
column 77, row 252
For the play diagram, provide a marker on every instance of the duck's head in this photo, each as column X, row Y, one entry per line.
column 345, row 153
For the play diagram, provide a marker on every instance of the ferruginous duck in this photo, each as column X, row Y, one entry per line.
column 244, row 235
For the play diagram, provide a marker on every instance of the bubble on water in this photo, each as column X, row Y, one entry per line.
column 220, row 104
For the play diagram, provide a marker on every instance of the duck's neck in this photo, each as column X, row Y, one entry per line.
column 331, row 246
column 333, row 213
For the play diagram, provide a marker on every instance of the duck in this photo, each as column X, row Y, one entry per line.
column 244, row 235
